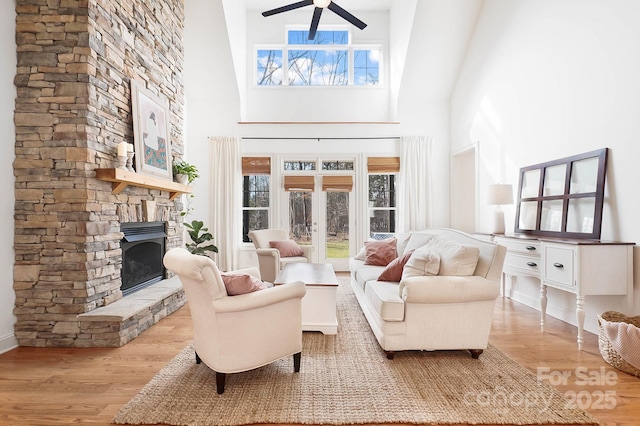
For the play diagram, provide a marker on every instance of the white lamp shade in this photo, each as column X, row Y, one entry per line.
column 500, row 194
column 321, row 3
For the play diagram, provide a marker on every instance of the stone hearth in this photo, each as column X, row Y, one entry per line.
column 120, row 322
column 76, row 60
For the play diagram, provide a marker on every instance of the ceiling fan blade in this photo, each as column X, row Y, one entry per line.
column 314, row 23
column 288, row 7
column 346, row 15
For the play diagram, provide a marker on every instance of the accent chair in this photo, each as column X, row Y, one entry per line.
column 269, row 259
column 238, row 333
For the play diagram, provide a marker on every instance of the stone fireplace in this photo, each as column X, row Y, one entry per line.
column 76, row 60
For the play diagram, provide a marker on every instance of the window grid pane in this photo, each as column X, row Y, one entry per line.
column 382, row 203
column 366, row 67
column 269, row 67
column 255, row 203
column 322, row 37
column 318, row 67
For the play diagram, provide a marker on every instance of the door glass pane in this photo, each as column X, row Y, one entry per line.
column 337, row 225
column 337, row 165
column 300, row 217
column 580, row 215
column 551, row 219
column 299, row 165
column 554, row 178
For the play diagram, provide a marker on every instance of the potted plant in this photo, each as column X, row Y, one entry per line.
column 185, row 172
column 195, row 228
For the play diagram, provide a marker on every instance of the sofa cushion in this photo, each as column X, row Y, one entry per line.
column 380, row 252
column 423, row 261
column 368, row 273
column 237, row 284
column 393, row 271
column 455, row 258
column 417, row 240
column 403, row 239
column 287, row 248
column 384, row 299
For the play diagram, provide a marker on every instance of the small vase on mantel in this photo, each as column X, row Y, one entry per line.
column 183, row 179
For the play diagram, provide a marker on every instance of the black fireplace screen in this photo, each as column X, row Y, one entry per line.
column 143, row 248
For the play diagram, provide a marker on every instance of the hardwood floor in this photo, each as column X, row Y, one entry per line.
column 50, row 386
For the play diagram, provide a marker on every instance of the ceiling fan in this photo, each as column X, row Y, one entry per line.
column 320, row 5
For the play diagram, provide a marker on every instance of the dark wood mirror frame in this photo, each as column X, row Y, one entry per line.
column 563, row 198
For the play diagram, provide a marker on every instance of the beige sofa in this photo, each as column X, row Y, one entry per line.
column 433, row 312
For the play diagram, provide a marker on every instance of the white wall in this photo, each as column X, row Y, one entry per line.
column 545, row 79
column 7, row 155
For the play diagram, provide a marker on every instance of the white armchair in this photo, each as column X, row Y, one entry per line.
column 238, row 333
column 269, row 259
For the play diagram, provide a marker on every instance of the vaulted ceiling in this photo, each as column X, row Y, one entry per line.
column 438, row 39
column 427, row 39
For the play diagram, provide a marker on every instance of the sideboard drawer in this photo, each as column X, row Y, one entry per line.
column 528, row 247
column 518, row 264
column 558, row 266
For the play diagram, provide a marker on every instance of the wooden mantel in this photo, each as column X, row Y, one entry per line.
column 122, row 178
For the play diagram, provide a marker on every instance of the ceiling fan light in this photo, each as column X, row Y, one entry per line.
column 321, row 3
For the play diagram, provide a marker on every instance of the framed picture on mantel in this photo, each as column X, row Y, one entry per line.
column 151, row 132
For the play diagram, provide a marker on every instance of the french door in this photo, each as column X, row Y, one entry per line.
column 320, row 213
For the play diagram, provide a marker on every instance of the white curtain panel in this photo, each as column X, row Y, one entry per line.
column 414, row 182
column 226, row 187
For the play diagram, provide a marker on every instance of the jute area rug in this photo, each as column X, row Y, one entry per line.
column 346, row 379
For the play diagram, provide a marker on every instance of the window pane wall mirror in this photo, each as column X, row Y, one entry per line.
column 564, row 197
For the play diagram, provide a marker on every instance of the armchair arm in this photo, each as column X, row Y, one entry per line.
column 261, row 298
column 269, row 262
column 437, row 289
column 306, row 251
column 268, row 252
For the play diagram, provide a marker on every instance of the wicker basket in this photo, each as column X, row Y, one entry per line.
column 607, row 351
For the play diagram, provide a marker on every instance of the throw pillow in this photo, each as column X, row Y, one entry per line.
column 237, row 284
column 423, row 261
column 287, row 248
column 455, row 258
column 380, row 253
column 416, row 240
column 393, row 271
column 362, row 254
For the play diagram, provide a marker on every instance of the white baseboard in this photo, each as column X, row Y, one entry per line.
column 8, row 342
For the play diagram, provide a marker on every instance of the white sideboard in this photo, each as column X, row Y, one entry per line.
column 581, row 267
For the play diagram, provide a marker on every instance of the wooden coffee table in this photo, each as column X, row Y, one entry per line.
column 319, row 304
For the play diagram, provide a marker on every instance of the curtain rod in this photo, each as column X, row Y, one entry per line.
column 318, row 139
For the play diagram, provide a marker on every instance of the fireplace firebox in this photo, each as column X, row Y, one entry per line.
column 143, row 248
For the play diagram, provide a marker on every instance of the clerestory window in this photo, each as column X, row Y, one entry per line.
column 331, row 59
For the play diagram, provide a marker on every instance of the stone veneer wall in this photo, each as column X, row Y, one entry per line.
column 76, row 59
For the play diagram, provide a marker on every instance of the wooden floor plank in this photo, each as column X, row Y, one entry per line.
column 61, row 386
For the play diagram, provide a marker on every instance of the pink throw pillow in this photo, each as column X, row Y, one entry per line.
column 393, row 271
column 287, row 248
column 380, row 253
column 237, row 284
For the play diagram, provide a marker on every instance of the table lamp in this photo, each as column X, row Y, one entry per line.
column 499, row 195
